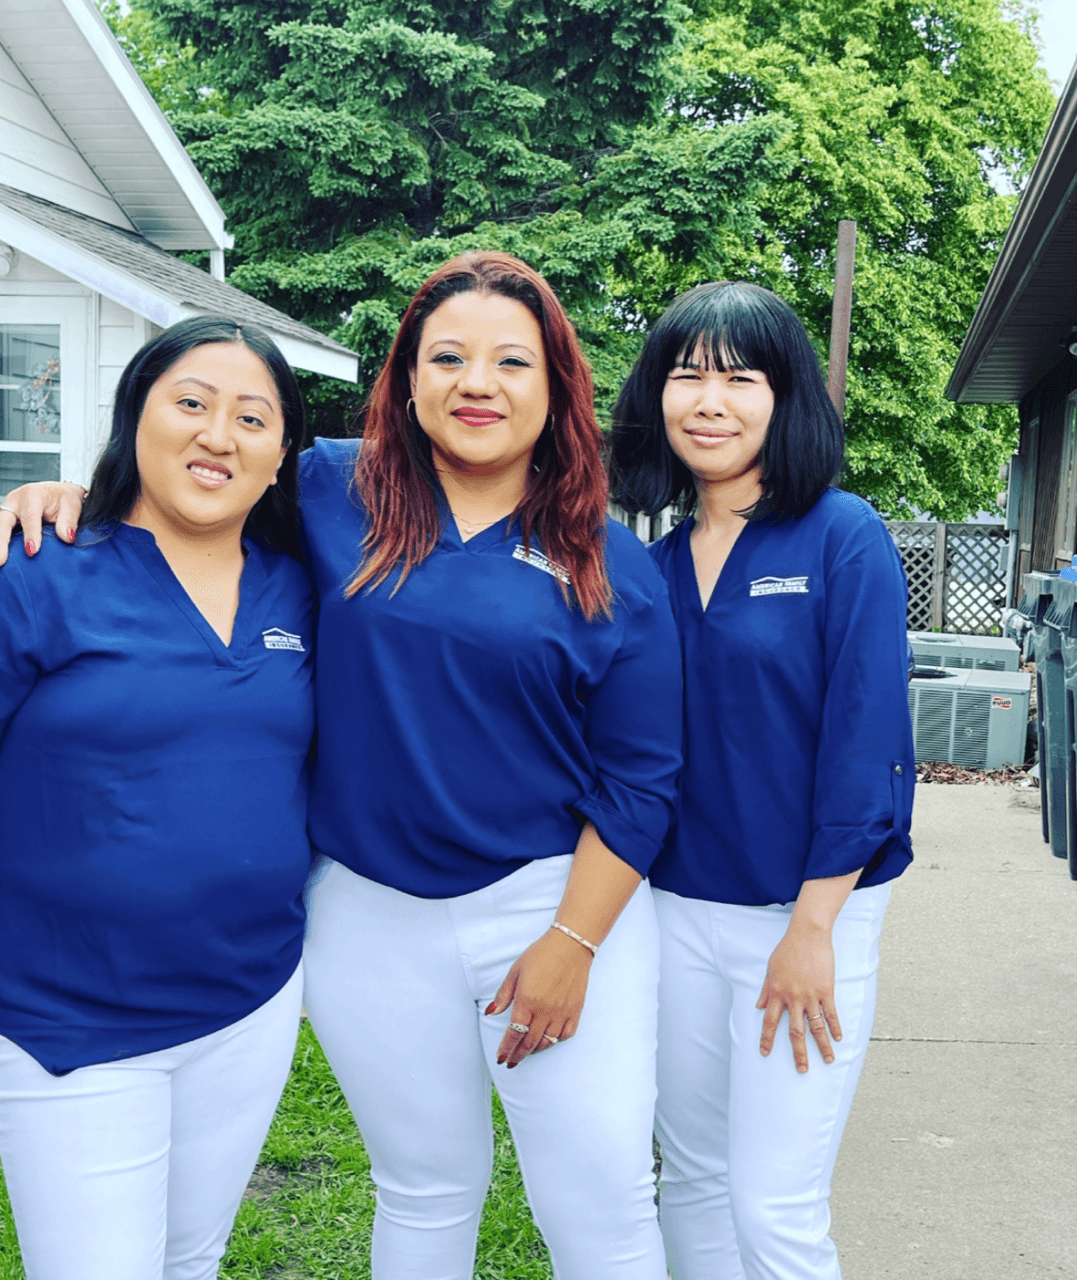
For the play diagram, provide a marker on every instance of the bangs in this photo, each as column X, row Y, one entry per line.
column 721, row 327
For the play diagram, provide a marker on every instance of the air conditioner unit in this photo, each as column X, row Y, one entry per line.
column 971, row 653
column 978, row 719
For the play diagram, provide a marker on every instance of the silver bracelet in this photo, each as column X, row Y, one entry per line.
column 571, row 933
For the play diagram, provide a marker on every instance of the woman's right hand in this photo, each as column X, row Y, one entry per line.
column 52, row 502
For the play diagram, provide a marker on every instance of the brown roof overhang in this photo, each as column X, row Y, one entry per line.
column 1030, row 303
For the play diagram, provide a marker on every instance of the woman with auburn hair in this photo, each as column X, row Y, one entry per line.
column 499, row 739
column 499, row 727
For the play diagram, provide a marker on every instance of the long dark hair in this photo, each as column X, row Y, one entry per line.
column 739, row 326
column 565, row 502
column 116, row 485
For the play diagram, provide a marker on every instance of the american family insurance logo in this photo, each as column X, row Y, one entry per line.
column 275, row 638
column 779, row 587
column 538, row 561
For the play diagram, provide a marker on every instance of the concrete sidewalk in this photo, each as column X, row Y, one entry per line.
column 960, row 1158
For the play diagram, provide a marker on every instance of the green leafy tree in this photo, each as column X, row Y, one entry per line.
column 628, row 151
column 906, row 116
column 356, row 146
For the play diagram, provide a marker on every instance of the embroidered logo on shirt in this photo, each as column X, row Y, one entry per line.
column 779, row 586
column 275, row 638
column 539, row 561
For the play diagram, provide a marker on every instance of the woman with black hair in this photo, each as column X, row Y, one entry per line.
column 499, row 696
column 156, row 713
column 796, row 794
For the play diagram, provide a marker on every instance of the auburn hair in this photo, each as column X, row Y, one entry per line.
column 564, row 506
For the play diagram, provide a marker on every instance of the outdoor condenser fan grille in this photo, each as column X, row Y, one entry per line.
column 932, row 721
column 968, row 653
column 973, row 718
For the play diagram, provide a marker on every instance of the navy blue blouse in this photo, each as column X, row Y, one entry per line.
column 153, row 789
column 470, row 721
column 799, row 758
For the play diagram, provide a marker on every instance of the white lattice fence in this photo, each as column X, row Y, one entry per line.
column 956, row 573
column 922, row 553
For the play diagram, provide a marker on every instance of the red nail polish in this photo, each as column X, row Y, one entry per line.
column 31, row 548
column 69, row 534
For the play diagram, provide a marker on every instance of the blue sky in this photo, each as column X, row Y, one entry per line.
column 1058, row 27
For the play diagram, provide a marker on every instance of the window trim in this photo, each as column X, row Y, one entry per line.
column 72, row 315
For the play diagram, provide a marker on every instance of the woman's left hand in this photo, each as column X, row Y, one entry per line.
column 800, row 980
column 546, row 988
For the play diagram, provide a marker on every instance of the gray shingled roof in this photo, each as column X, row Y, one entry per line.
column 183, row 283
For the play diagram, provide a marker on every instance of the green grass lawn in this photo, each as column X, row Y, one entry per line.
column 310, row 1205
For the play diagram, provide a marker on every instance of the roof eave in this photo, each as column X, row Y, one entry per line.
column 1052, row 187
column 142, row 298
column 153, row 121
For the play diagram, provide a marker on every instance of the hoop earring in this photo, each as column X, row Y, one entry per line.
column 410, row 411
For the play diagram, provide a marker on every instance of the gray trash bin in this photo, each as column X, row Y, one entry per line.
column 1063, row 613
column 1037, row 598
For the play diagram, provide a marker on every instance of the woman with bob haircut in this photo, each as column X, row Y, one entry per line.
column 796, row 795
column 156, row 712
column 499, row 730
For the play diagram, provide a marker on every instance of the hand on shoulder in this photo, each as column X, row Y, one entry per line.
column 31, row 505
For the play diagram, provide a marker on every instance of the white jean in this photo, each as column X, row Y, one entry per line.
column 395, row 990
column 748, row 1144
column 134, row 1170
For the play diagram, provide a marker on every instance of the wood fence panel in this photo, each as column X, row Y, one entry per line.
column 956, row 575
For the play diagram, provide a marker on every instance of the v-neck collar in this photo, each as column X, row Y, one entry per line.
column 686, row 566
column 450, row 533
column 231, row 654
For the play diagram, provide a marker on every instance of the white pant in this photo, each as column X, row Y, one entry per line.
column 395, row 990
column 748, row 1144
column 134, row 1170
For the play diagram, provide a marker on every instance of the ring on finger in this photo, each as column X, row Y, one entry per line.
column 519, row 1028
column 552, row 1039
column 817, row 1018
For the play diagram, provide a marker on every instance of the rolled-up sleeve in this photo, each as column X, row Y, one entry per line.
column 634, row 736
column 865, row 765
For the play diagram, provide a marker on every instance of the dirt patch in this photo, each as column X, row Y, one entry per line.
column 266, row 1181
column 1026, row 799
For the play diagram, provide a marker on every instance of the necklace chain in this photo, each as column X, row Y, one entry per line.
column 471, row 527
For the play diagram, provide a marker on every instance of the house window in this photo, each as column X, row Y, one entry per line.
column 1067, row 495
column 29, row 404
column 1028, row 487
column 48, row 388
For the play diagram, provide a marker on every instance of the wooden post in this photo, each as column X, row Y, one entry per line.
column 841, row 315
column 938, row 602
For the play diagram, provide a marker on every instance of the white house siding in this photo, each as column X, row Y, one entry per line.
column 73, row 63
column 120, row 334
column 37, row 156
